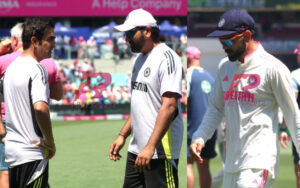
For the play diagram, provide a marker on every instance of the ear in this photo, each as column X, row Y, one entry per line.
column 14, row 41
column 248, row 35
column 34, row 41
column 147, row 32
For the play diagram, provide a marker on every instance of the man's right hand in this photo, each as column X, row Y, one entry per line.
column 115, row 147
column 50, row 149
column 195, row 150
column 283, row 139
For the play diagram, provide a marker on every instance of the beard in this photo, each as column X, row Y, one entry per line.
column 238, row 53
column 137, row 45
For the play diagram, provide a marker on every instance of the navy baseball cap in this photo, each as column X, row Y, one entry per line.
column 233, row 21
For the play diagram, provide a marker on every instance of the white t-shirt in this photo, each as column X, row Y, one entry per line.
column 25, row 83
column 155, row 73
column 249, row 95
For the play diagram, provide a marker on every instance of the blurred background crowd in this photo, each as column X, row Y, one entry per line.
column 90, row 48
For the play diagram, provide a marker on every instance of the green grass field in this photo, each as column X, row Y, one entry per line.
column 82, row 157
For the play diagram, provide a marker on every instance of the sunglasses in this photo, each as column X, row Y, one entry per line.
column 229, row 42
column 132, row 32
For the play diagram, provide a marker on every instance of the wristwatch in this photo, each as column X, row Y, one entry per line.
column 2, row 136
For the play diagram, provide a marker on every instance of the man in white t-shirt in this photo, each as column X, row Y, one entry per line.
column 29, row 142
column 155, row 122
column 250, row 86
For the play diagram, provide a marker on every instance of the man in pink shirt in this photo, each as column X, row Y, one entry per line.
column 55, row 85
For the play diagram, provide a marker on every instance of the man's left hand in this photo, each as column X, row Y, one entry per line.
column 142, row 162
column 283, row 139
column 5, row 46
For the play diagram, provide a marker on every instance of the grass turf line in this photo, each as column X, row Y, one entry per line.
column 82, row 160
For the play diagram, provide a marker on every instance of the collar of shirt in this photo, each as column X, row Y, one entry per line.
column 249, row 57
column 196, row 67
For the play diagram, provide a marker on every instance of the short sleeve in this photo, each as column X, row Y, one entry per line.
column 170, row 73
column 39, row 84
column 56, row 78
column 53, row 73
column 6, row 60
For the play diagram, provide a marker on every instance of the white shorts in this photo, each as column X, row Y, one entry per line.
column 248, row 178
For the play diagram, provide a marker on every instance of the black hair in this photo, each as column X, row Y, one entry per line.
column 35, row 27
column 253, row 33
column 155, row 33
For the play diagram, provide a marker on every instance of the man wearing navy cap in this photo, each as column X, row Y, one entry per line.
column 250, row 86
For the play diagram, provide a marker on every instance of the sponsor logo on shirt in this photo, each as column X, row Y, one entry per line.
column 225, row 78
column 139, row 86
column 205, row 86
column 252, row 80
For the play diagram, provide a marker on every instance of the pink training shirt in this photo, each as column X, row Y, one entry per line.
column 49, row 64
column 53, row 73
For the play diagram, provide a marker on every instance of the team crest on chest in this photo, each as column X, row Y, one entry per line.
column 147, row 72
column 253, row 79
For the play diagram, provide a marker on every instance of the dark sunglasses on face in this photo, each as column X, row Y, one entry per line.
column 132, row 32
column 229, row 42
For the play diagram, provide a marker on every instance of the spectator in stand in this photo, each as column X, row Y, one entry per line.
column 112, row 99
column 82, row 50
column 62, row 47
column 72, row 75
column 125, row 98
column 116, row 51
column 178, row 51
column 85, row 100
column 93, row 67
column 73, row 41
column 86, row 67
column 92, row 48
column 123, row 48
column 74, row 46
column 62, row 74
